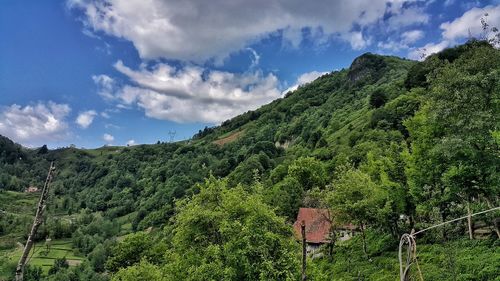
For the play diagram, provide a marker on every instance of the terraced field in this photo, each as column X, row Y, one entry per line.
column 44, row 256
column 16, row 213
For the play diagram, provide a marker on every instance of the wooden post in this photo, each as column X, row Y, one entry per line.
column 304, row 250
column 469, row 221
column 36, row 223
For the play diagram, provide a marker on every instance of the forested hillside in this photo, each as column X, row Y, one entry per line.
column 387, row 144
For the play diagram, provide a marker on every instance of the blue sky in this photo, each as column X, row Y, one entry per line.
column 95, row 72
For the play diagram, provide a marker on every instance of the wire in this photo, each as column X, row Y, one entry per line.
column 454, row 220
column 411, row 246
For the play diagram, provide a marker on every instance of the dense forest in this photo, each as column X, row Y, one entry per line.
column 388, row 144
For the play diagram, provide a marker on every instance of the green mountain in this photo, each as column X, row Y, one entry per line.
column 388, row 144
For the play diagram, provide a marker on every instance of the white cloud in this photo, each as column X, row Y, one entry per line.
column 304, row 79
column 392, row 45
column 448, row 3
column 86, row 118
column 406, row 39
column 412, row 36
column 193, row 93
column 357, row 40
column 108, row 138
column 428, row 49
column 256, row 57
column 408, row 17
column 34, row 124
column 106, row 84
column 196, row 30
column 470, row 23
column 131, row 143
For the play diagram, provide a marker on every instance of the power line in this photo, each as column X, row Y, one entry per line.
column 411, row 246
column 454, row 220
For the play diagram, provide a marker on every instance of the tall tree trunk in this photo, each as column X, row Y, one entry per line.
column 331, row 246
column 496, row 221
column 412, row 222
column 469, row 221
column 304, row 250
column 36, row 223
column 443, row 219
column 364, row 239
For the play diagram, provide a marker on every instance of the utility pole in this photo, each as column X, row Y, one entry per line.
column 304, row 250
column 172, row 135
column 36, row 223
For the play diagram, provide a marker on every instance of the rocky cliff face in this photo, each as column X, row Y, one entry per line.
column 366, row 68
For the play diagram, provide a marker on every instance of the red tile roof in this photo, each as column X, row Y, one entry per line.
column 317, row 222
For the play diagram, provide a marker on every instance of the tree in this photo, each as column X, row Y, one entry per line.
column 59, row 264
column 309, row 172
column 132, row 249
column 378, row 98
column 454, row 153
column 286, row 196
column 32, row 273
column 354, row 198
column 229, row 234
column 143, row 271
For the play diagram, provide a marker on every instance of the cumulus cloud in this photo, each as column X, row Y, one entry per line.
column 106, row 84
column 85, row 118
column 412, row 36
column 34, row 124
column 108, row 138
column 192, row 30
column 357, row 40
column 470, row 23
column 192, row 93
column 131, row 143
column 428, row 49
column 304, row 79
column 404, row 42
column 408, row 17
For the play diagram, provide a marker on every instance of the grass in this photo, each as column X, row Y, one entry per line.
column 39, row 257
column 18, row 202
column 22, row 206
column 457, row 260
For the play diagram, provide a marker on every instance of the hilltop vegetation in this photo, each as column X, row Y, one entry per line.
column 388, row 144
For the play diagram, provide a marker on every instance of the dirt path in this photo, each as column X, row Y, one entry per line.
column 229, row 138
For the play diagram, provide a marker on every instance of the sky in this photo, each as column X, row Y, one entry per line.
column 124, row 72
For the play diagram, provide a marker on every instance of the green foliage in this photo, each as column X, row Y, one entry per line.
column 143, row 271
column 454, row 155
column 309, row 172
column 355, row 197
column 378, row 98
column 59, row 264
column 229, row 234
column 32, row 273
column 132, row 249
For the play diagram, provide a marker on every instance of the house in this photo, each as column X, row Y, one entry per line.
column 345, row 232
column 319, row 228
column 31, row 189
